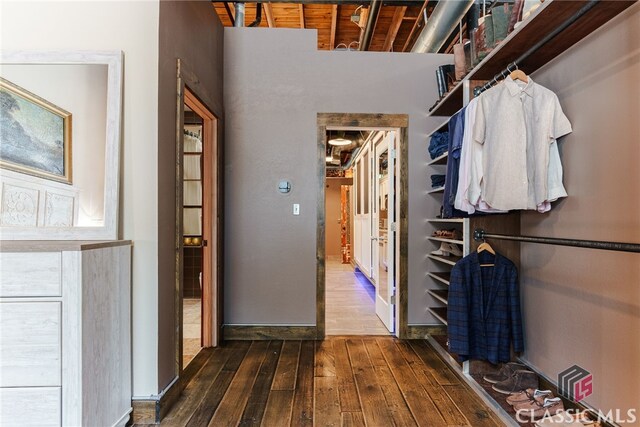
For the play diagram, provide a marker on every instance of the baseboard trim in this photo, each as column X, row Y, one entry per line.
column 420, row 332
column 154, row 409
column 124, row 419
column 248, row 332
column 144, row 412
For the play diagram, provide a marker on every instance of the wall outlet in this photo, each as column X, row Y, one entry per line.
column 296, row 209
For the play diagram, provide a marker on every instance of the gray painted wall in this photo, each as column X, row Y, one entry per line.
column 191, row 31
column 275, row 84
column 582, row 306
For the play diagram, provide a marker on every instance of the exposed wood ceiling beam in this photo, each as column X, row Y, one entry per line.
column 394, row 27
column 419, row 23
column 268, row 11
column 301, row 7
column 364, row 3
column 334, row 26
column 231, row 13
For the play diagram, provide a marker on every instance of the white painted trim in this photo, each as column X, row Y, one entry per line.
column 157, row 397
column 123, row 419
column 114, row 60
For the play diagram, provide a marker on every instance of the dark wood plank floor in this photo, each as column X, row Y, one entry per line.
column 341, row 381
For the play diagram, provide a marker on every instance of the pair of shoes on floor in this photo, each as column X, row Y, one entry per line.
column 448, row 249
column 512, row 378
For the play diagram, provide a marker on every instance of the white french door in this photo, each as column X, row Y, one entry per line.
column 363, row 212
column 382, row 226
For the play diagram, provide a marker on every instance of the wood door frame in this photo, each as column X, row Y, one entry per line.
column 191, row 92
column 399, row 122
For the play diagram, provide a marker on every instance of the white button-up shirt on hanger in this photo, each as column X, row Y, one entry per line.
column 516, row 123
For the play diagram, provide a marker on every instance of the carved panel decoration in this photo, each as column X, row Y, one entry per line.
column 19, row 206
column 58, row 210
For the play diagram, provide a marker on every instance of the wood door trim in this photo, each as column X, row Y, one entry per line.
column 209, row 334
column 398, row 122
column 190, row 89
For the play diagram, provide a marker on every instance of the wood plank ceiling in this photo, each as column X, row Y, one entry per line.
column 398, row 24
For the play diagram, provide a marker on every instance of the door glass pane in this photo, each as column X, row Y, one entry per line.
column 192, row 138
column 382, row 186
column 192, row 222
column 358, row 189
column 367, row 183
column 192, row 166
column 192, row 193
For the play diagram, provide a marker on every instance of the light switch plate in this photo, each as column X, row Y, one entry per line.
column 296, row 209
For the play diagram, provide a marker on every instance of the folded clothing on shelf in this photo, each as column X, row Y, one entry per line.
column 439, row 144
column 437, row 180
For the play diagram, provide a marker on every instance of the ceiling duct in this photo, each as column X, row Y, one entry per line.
column 374, row 11
column 442, row 22
column 239, row 19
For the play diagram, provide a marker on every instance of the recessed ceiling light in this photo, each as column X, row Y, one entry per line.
column 339, row 141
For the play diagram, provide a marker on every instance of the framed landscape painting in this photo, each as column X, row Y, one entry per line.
column 35, row 135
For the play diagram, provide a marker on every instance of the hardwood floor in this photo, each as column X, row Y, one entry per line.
column 350, row 302
column 341, row 381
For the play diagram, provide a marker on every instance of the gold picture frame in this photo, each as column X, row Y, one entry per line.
column 35, row 135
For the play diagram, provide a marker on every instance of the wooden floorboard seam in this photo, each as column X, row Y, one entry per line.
column 344, row 381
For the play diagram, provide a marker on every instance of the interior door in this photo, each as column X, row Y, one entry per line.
column 383, row 236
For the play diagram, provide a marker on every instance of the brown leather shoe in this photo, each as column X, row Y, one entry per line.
column 546, row 408
column 505, row 372
column 520, row 380
column 527, row 395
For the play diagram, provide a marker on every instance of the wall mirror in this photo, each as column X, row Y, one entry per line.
column 60, row 118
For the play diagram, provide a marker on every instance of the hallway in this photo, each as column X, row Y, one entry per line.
column 372, row 381
column 350, row 302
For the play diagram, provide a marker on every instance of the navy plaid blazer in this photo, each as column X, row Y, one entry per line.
column 483, row 313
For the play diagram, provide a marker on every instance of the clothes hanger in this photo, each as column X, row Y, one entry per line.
column 484, row 246
column 518, row 74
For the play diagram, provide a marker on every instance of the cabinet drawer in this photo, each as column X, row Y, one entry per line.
column 34, row 406
column 30, row 351
column 29, row 274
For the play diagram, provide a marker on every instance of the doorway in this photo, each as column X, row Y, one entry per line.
column 196, row 230
column 377, row 270
column 359, row 287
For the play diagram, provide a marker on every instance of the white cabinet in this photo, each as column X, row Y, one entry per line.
column 65, row 333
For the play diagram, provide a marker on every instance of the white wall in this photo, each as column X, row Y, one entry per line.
column 132, row 27
column 82, row 91
column 276, row 81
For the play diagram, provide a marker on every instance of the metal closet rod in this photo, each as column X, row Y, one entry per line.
column 480, row 235
column 512, row 66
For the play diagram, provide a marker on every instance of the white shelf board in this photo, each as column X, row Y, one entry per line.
column 440, row 126
column 436, row 190
column 442, row 239
column 438, row 160
column 436, row 314
column 438, row 297
column 445, row 260
column 438, row 278
column 456, row 220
